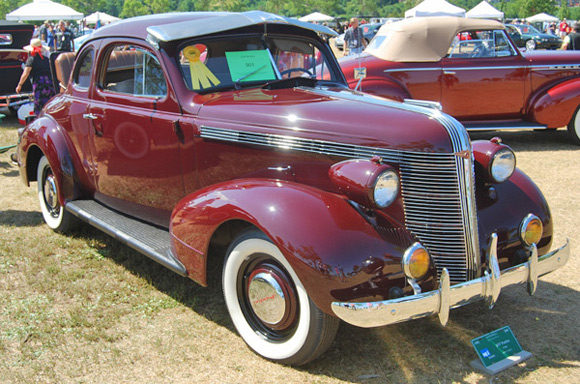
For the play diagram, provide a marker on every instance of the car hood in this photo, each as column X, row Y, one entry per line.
column 541, row 36
column 331, row 115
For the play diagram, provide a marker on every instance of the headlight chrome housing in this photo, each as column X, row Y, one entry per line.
column 386, row 188
column 497, row 160
column 416, row 262
column 369, row 183
column 531, row 229
column 503, row 164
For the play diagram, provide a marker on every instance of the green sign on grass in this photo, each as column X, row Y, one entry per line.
column 496, row 346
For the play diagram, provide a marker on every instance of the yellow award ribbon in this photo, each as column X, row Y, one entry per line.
column 201, row 76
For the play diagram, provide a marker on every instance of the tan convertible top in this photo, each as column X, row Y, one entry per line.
column 423, row 39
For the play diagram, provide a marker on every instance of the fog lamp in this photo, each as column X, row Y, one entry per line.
column 531, row 229
column 416, row 262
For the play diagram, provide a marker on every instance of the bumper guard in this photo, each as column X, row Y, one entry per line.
column 440, row 301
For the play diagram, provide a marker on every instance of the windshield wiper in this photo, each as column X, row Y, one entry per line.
column 238, row 81
column 291, row 82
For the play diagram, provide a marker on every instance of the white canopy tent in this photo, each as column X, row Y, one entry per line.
column 44, row 10
column 542, row 17
column 103, row 17
column 316, row 16
column 484, row 10
column 435, row 8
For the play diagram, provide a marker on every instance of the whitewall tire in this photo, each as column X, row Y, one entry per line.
column 574, row 127
column 55, row 216
column 269, row 305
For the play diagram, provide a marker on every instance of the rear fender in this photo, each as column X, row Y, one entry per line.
column 555, row 106
column 327, row 242
column 45, row 137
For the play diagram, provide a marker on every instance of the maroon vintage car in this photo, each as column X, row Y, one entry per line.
column 484, row 81
column 199, row 138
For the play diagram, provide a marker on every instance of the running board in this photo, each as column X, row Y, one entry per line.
column 471, row 127
column 144, row 238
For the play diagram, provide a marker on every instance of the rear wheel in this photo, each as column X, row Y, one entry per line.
column 269, row 305
column 53, row 213
column 574, row 127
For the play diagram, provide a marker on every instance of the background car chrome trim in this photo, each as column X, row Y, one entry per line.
column 449, row 232
column 380, row 313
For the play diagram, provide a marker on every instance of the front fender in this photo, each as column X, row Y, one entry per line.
column 555, row 106
column 45, row 137
column 382, row 88
column 329, row 244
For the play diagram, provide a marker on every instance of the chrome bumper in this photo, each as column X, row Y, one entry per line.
column 440, row 301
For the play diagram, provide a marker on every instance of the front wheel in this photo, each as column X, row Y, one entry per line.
column 269, row 305
column 574, row 127
column 53, row 213
column 530, row 45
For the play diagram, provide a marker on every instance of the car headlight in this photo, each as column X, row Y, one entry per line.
column 503, row 164
column 497, row 160
column 531, row 229
column 386, row 188
column 416, row 262
column 369, row 183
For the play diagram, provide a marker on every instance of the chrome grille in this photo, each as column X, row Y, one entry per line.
column 433, row 210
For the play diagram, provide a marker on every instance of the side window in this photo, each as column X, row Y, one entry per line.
column 82, row 75
column 5, row 39
column 134, row 71
column 480, row 44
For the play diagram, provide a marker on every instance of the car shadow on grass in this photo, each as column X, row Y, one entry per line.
column 21, row 218
column 419, row 351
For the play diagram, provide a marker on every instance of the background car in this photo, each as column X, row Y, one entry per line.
column 475, row 73
column 13, row 37
column 232, row 139
column 527, row 36
column 369, row 31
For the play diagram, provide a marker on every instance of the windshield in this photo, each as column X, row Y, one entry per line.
column 251, row 60
column 527, row 29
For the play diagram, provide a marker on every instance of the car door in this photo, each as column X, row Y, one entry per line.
column 484, row 78
column 136, row 139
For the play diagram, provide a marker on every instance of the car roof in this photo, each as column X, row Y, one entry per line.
column 175, row 26
column 424, row 39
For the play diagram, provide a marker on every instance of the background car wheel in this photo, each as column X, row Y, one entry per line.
column 269, row 306
column 574, row 127
column 530, row 45
column 54, row 215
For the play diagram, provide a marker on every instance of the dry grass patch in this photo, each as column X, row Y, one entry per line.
column 85, row 309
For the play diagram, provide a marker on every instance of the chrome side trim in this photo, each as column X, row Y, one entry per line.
column 440, row 301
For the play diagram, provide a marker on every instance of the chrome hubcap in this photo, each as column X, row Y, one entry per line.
column 50, row 193
column 266, row 297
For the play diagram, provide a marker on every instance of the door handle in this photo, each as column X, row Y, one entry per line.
column 90, row 116
column 449, row 72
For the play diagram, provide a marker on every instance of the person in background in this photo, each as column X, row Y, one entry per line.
column 354, row 41
column 42, row 31
column 50, row 37
column 64, row 38
column 562, row 28
column 38, row 67
column 572, row 40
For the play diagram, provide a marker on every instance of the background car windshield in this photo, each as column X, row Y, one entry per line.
column 250, row 60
